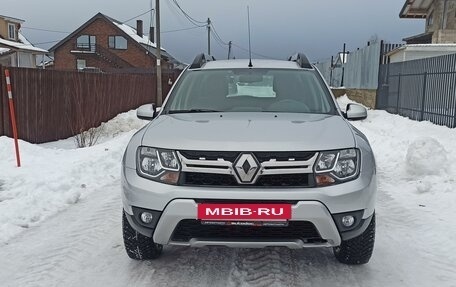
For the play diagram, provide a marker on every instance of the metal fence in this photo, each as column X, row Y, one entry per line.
column 423, row 90
column 361, row 69
column 53, row 105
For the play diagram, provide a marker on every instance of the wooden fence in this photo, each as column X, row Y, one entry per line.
column 423, row 90
column 53, row 105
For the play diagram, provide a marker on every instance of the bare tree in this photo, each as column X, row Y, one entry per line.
column 89, row 137
column 83, row 113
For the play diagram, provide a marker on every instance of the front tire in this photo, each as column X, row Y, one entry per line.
column 357, row 250
column 138, row 246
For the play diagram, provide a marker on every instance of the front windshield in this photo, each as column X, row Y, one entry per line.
column 250, row 90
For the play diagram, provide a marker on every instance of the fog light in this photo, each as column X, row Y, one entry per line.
column 348, row 221
column 147, row 217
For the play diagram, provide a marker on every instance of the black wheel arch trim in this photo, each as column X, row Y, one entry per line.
column 136, row 226
column 347, row 235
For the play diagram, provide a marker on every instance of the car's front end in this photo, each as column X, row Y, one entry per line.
column 249, row 179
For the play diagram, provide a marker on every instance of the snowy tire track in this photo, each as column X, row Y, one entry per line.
column 264, row 267
column 72, row 241
column 83, row 247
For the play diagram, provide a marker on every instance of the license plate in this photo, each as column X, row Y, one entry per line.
column 244, row 212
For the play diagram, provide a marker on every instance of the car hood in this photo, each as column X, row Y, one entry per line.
column 249, row 132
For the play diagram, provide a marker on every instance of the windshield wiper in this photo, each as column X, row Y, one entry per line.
column 190, row 111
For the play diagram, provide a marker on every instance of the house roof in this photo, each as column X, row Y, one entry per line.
column 423, row 38
column 24, row 45
column 4, row 50
column 124, row 28
column 144, row 41
column 424, row 47
column 415, row 9
column 130, row 31
column 12, row 19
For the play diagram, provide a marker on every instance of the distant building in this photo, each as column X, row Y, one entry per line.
column 15, row 49
column 105, row 44
column 420, row 51
column 440, row 18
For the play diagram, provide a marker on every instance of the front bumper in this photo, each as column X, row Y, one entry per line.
column 316, row 205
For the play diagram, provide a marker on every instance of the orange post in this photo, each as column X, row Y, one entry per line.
column 12, row 116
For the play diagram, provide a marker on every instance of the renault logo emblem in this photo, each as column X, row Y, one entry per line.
column 246, row 167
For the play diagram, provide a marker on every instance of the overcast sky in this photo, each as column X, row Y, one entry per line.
column 279, row 28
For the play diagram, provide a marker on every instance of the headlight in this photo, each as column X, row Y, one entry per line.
column 158, row 164
column 337, row 166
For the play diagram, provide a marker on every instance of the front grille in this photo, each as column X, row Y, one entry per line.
column 221, row 168
column 210, row 155
column 190, row 228
column 284, row 155
column 226, row 180
column 288, row 180
column 261, row 156
column 208, row 179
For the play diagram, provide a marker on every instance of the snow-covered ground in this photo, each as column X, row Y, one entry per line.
column 60, row 219
column 56, row 175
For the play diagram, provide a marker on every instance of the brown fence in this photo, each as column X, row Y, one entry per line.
column 52, row 105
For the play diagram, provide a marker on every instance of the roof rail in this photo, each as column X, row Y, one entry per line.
column 301, row 60
column 200, row 60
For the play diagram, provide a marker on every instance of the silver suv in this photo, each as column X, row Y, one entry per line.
column 250, row 155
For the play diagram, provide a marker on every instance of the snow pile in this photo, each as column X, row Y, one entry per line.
column 414, row 168
column 51, row 178
column 122, row 123
column 426, row 156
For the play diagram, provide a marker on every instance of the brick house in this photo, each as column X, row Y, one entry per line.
column 440, row 16
column 105, row 44
column 15, row 49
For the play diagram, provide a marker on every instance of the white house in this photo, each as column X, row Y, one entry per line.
column 15, row 49
column 420, row 51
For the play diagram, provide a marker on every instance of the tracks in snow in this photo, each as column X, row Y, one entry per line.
column 83, row 247
column 69, row 240
column 264, row 267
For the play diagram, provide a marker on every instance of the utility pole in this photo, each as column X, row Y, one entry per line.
column 151, row 26
column 209, row 36
column 158, row 47
column 230, row 43
column 343, row 64
column 331, row 74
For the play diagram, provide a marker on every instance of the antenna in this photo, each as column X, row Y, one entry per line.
column 250, row 45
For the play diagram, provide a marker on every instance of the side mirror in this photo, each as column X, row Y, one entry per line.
column 355, row 112
column 147, row 112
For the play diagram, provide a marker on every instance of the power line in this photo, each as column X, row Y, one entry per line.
column 186, row 14
column 183, row 29
column 217, row 36
column 188, row 17
column 221, row 44
column 177, row 30
column 137, row 16
column 45, row 30
column 254, row 53
column 174, row 10
column 220, row 41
